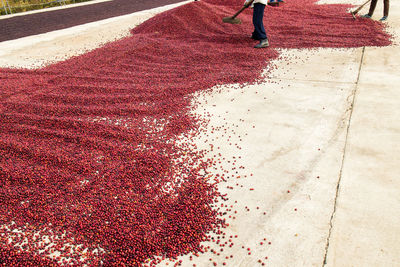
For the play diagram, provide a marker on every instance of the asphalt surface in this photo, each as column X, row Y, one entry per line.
column 37, row 23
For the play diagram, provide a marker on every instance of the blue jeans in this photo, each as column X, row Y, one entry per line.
column 258, row 14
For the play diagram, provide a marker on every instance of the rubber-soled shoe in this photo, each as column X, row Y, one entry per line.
column 273, row 3
column 366, row 16
column 263, row 43
column 383, row 18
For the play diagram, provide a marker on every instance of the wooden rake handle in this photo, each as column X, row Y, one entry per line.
column 244, row 7
column 360, row 7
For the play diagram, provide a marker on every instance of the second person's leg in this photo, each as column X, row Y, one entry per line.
column 385, row 8
column 372, row 7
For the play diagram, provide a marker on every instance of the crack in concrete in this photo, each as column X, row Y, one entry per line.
column 343, row 158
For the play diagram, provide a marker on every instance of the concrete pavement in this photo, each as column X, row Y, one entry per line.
column 366, row 223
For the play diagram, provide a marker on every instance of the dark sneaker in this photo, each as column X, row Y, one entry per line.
column 263, row 43
column 366, row 16
column 383, row 18
column 273, row 3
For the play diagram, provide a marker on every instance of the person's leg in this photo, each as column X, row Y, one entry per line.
column 385, row 8
column 372, row 7
column 258, row 14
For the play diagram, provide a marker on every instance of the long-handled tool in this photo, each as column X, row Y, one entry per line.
column 354, row 13
column 233, row 19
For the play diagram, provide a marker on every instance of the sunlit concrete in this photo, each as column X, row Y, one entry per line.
column 366, row 225
column 294, row 152
column 319, row 144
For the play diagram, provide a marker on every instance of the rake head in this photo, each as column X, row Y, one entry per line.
column 231, row 20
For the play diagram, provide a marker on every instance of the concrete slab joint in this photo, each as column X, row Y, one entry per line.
column 353, row 98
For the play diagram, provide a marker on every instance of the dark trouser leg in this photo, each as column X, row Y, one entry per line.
column 258, row 14
column 386, row 8
column 372, row 7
